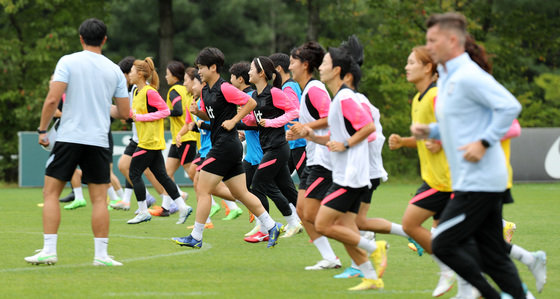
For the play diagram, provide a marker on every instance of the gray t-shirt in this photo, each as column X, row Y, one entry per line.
column 93, row 80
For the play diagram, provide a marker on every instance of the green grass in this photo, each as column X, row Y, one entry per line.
column 227, row 266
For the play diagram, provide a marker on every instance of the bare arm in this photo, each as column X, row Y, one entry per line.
column 56, row 89
column 121, row 109
column 358, row 137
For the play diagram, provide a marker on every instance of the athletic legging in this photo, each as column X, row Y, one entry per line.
column 142, row 159
column 297, row 160
column 250, row 170
column 273, row 179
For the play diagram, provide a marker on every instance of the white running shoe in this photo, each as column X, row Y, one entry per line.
column 253, row 231
column 105, row 261
column 42, row 258
column 292, row 230
column 141, row 217
column 324, row 264
column 183, row 215
column 121, row 205
column 538, row 268
column 446, row 280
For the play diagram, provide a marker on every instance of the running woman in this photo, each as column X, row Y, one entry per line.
column 317, row 177
column 350, row 125
column 148, row 111
column 274, row 110
column 223, row 162
column 178, row 100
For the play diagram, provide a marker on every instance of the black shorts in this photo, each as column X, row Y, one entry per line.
column 344, row 199
column 319, row 181
column 303, row 178
column 367, row 196
column 93, row 161
column 224, row 167
column 185, row 153
column 130, row 148
column 198, row 160
column 111, row 143
column 431, row 199
column 507, row 196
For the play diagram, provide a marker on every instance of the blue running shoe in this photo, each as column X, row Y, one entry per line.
column 273, row 234
column 188, row 241
column 350, row 273
column 416, row 246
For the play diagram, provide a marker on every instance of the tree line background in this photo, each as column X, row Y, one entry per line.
column 522, row 37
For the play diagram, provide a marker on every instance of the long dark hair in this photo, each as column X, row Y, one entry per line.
column 478, row 54
column 264, row 63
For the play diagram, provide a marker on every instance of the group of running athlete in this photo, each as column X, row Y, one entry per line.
column 289, row 122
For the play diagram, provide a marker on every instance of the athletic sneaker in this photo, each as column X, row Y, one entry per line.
column 446, row 280
column 538, row 268
column 415, row 246
column 368, row 284
column 214, row 209
column 325, row 264
column 256, row 238
column 105, row 261
column 42, row 258
column 77, row 203
column 509, row 229
column 273, row 234
column 188, row 241
column 253, row 231
column 208, row 225
column 173, row 208
column 121, row 205
column 183, row 215
column 158, row 211
column 150, row 200
column 292, row 230
column 141, row 217
column 68, row 198
column 350, row 273
column 233, row 214
column 379, row 257
column 528, row 294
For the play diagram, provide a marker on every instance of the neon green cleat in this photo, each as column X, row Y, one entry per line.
column 77, row 203
column 215, row 209
column 233, row 214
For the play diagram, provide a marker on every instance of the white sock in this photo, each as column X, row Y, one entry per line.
column 263, row 229
column 396, row 229
column 49, row 243
column 166, row 202
column 521, row 255
column 292, row 220
column 443, row 267
column 208, row 220
column 120, row 192
column 503, row 223
column 143, row 206
column 231, row 205
column 267, row 221
column 432, row 230
column 213, row 201
column 180, row 203
column 367, row 270
column 78, row 193
column 325, row 249
column 294, row 212
column 197, row 231
column 367, row 245
column 127, row 195
column 101, row 247
column 112, row 194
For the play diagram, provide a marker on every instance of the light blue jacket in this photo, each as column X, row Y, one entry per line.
column 471, row 105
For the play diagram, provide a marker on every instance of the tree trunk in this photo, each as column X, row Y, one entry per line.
column 165, row 40
column 312, row 20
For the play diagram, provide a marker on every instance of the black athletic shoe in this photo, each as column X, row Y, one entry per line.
column 68, row 198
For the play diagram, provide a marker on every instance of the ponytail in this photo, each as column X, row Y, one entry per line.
column 264, row 63
column 147, row 70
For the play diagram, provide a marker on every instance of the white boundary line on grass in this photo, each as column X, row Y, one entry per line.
column 158, row 294
column 133, row 259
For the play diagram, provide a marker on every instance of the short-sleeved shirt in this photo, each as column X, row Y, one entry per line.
column 347, row 116
column 93, row 80
column 375, row 142
column 315, row 104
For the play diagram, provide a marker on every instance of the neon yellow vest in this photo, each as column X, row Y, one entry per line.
column 434, row 168
column 150, row 133
column 177, row 122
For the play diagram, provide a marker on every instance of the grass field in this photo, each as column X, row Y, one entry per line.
column 227, row 266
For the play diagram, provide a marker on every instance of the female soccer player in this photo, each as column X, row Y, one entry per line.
column 223, row 162
column 274, row 109
column 148, row 111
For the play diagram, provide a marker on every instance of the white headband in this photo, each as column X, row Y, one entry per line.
column 259, row 61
